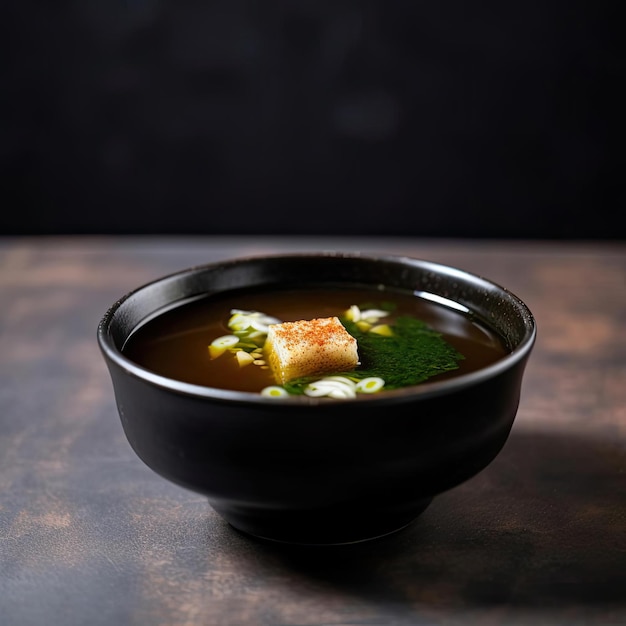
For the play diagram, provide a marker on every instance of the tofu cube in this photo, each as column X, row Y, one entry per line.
column 310, row 348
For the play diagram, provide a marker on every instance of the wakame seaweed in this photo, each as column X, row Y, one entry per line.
column 414, row 353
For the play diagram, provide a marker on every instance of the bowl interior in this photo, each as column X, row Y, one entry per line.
column 489, row 303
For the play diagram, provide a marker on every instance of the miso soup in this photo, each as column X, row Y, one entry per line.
column 176, row 343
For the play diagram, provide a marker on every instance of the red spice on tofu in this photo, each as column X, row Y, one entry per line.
column 310, row 348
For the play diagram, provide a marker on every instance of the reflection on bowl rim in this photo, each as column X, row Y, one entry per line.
column 426, row 389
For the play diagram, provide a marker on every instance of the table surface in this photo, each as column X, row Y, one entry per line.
column 90, row 535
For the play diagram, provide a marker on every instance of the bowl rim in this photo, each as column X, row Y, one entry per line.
column 426, row 389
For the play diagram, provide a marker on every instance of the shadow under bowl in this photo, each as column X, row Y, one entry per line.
column 315, row 470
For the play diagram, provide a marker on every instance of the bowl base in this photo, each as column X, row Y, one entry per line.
column 336, row 526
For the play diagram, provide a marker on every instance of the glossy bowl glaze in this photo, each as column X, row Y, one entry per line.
column 315, row 470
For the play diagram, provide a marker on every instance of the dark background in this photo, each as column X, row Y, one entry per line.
column 392, row 117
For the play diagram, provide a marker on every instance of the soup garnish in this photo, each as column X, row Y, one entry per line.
column 403, row 352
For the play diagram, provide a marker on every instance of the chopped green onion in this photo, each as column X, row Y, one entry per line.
column 221, row 344
column 331, row 386
column 373, row 315
column 372, row 384
column 242, row 321
column 226, row 341
column 382, row 329
column 353, row 313
column 364, row 319
column 273, row 391
column 243, row 358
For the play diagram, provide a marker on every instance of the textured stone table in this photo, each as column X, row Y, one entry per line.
column 90, row 535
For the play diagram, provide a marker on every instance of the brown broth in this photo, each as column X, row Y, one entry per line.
column 175, row 343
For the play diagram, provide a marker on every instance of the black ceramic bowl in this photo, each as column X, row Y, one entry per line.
column 315, row 470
